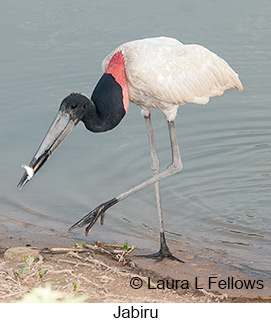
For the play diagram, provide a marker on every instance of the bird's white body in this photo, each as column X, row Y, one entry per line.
column 163, row 73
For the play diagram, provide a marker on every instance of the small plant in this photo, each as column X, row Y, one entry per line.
column 29, row 259
column 126, row 250
column 79, row 244
column 41, row 275
column 74, row 286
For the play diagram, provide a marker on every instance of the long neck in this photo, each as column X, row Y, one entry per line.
column 110, row 98
column 107, row 109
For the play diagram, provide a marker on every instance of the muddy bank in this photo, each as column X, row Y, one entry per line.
column 94, row 271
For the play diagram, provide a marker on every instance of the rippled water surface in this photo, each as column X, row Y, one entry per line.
column 221, row 199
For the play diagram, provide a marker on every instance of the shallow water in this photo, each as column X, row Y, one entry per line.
column 221, row 199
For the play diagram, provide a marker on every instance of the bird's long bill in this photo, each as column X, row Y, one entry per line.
column 59, row 130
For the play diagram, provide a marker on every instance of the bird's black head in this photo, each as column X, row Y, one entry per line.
column 71, row 111
column 75, row 105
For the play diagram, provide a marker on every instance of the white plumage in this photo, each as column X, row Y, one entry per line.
column 163, row 73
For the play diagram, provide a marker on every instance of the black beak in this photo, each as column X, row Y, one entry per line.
column 59, row 130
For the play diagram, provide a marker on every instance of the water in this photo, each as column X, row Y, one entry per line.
column 221, row 200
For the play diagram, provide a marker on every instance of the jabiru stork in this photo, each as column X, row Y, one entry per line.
column 158, row 73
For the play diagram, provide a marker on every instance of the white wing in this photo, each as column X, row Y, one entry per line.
column 168, row 71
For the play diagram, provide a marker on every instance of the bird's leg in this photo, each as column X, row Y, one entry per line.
column 155, row 168
column 174, row 167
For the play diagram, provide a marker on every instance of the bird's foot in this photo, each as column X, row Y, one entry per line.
column 162, row 254
column 159, row 256
column 92, row 217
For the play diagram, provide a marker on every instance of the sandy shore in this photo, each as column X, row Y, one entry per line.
column 94, row 271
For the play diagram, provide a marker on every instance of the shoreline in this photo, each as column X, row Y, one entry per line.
column 99, row 276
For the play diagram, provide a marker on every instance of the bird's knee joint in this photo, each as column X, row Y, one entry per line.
column 175, row 167
column 179, row 167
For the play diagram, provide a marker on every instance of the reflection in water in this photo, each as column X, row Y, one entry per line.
column 221, row 199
